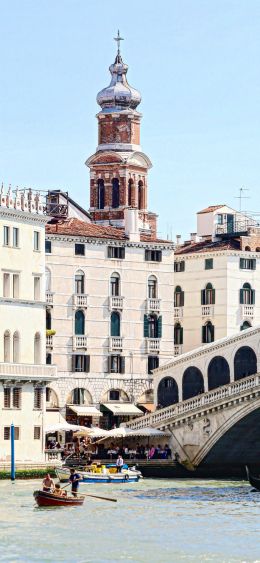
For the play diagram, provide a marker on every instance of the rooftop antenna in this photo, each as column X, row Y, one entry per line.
column 241, row 197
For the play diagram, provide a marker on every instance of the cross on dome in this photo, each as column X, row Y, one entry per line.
column 118, row 39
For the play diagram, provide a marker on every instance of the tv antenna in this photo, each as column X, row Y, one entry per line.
column 241, row 196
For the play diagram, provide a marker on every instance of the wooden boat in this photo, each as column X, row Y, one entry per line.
column 254, row 481
column 98, row 475
column 49, row 499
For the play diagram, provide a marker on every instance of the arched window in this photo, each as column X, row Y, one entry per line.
column 192, row 383
column 48, row 319
column 130, row 192
column 37, row 348
column 247, row 295
column 7, row 346
column 79, row 282
column 140, row 195
column 178, row 297
column 208, row 295
column 218, row 372
column 51, row 399
column 168, row 392
column 152, row 326
column 115, row 324
column 47, row 279
column 16, row 347
column 79, row 396
column 115, row 285
column 245, row 363
column 208, row 333
column 152, row 287
column 115, row 192
column 245, row 325
column 178, row 334
column 100, row 194
column 79, row 322
column 247, row 248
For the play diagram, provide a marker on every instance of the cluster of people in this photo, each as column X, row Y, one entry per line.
column 48, row 485
column 88, row 450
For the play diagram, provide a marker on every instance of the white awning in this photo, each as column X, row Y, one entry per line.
column 85, row 410
column 122, row 409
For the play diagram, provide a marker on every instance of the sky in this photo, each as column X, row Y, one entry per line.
column 196, row 64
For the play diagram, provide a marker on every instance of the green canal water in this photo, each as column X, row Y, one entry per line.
column 153, row 521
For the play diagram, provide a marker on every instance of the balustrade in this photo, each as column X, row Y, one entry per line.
column 177, row 349
column 49, row 297
column 207, row 310
column 49, row 341
column 115, row 343
column 247, row 311
column 153, row 305
column 152, row 345
column 178, row 312
column 80, row 300
column 79, row 341
column 116, row 302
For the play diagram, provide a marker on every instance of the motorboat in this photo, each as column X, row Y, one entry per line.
column 101, row 474
column 44, row 498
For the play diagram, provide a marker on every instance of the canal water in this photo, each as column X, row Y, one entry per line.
column 162, row 521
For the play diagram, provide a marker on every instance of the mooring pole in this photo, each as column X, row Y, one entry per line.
column 12, row 454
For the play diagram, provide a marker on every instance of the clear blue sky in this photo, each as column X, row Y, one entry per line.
column 196, row 63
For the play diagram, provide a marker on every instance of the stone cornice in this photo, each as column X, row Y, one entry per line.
column 109, row 242
column 23, row 215
column 212, row 254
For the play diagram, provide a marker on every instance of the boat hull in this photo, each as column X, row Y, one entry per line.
column 48, row 499
column 90, row 477
column 254, row 481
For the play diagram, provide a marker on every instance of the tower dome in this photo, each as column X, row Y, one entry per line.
column 119, row 95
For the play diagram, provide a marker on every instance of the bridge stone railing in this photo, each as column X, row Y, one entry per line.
column 236, row 388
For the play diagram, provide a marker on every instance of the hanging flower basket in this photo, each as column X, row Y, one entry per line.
column 50, row 332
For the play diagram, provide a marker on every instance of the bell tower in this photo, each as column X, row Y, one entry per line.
column 119, row 168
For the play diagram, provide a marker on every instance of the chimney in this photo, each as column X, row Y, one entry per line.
column 132, row 224
column 193, row 237
column 178, row 240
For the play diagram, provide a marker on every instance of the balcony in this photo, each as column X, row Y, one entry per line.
column 116, row 302
column 207, row 310
column 153, row 305
column 80, row 300
column 115, row 343
column 49, row 297
column 27, row 372
column 177, row 349
column 178, row 312
column 79, row 341
column 152, row 345
column 247, row 311
column 49, row 341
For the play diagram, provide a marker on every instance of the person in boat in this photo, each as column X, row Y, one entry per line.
column 74, row 480
column 58, row 492
column 48, row 484
column 119, row 464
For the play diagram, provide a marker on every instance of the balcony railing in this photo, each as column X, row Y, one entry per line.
column 207, row 310
column 49, row 341
column 247, row 311
column 116, row 302
column 177, row 349
column 152, row 345
column 178, row 312
column 153, row 304
column 115, row 343
column 79, row 341
column 49, row 297
column 80, row 300
column 26, row 371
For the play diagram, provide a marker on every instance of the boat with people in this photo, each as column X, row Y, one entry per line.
column 254, row 481
column 44, row 498
column 97, row 473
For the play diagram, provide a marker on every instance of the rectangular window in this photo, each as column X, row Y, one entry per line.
column 7, row 433
column 7, row 398
column 15, row 286
column 48, row 247
column 36, row 240
column 6, row 236
column 37, row 433
column 79, row 249
column 153, row 255
column 247, row 263
column 208, row 263
column 37, row 288
column 6, row 285
column 17, row 393
column 48, row 359
column 114, row 395
column 116, row 364
column 37, row 404
column 179, row 266
column 15, row 237
column 117, row 252
column 81, row 362
column 220, row 219
column 153, row 363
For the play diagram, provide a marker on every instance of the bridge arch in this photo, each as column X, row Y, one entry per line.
column 167, row 392
column 245, row 362
column 192, row 383
column 218, row 372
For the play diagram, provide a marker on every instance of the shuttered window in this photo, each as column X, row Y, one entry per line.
column 17, row 398
column 7, row 433
column 37, row 433
column 7, row 398
column 153, row 363
column 179, row 266
column 38, row 398
column 247, row 263
column 153, row 255
column 117, row 252
column 116, row 364
column 81, row 362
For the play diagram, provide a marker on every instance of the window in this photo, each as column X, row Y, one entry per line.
column 179, row 266
column 115, row 193
column 37, row 398
column 16, row 347
column 208, row 333
column 140, row 195
column 81, row 363
column 79, row 249
column 153, row 255
column 15, row 237
column 37, row 288
column 178, row 297
column 208, row 263
column 6, row 285
column 117, row 252
column 12, row 397
column 17, row 392
column 220, row 219
column 79, row 396
column 48, row 319
column 247, row 263
column 153, row 363
column 114, row 395
column 7, row 398
column 7, row 346
column 37, row 433
column 115, row 285
column 48, row 359
column 116, row 364
column 48, row 247
column 15, row 286
column 245, row 325
column 79, row 323
column 152, row 287
column 247, row 295
column 178, row 334
column 6, row 236
column 152, row 326
column 208, row 295
column 7, row 433
column 79, row 282
column 37, row 348
column 36, row 240
column 130, row 193
column 115, row 324
column 100, row 194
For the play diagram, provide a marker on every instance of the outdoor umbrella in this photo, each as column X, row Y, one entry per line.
column 94, row 432
column 60, row 426
column 148, row 431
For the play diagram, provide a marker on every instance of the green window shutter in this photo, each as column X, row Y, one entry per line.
column 109, row 253
column 86, row 363
column 73, row 363
column 122, row 364
column 123, row 252
column 213, row 296
column 203, row 334
column 159, row 255
column 241, row 296
column 182, row 299
column 253, row 264
column 203, row 297
column 146, row 255
column 212, row 329
column 182, row 266
column 252, row 296
column 146, row 326
column 159, row 327
column 109, row 364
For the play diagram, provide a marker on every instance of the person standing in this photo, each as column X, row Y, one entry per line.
column 74, row 480
column 119, row 464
